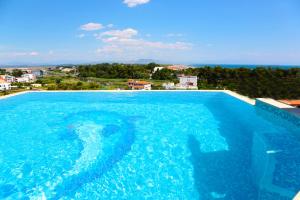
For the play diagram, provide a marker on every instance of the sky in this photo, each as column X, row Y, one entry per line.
column 167, row 31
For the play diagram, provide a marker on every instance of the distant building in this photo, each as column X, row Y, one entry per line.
column 157, row 69
column 36, row 85
column 39, row 73
column 169, row 86
column 26, row 78
column 8, row 78
column 25, row 70
column 187, row 82
column 67, row 70
column 30, row 77
column 177, row 67
column 4, row 85
column 22, row 80
column 139, row 85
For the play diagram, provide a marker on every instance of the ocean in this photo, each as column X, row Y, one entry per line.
column 233, row 66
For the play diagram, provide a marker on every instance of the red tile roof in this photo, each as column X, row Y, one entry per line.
column 134, row 82
column 291, row 102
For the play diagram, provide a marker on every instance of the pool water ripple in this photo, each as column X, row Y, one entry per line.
column 176, row 145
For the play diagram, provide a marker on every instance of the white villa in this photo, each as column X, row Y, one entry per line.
column 22, row 80
column 31, row 77
column 157, row 69
column 169, row 86
column 171, row 67
column 187, row 82
column 8, row 78
column 139, row 85
column 4, row 85
column 26, row 78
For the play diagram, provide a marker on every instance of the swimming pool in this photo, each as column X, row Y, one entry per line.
column 145, row 145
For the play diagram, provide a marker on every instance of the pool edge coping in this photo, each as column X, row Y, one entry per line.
column 14, row 94
column 229, row 92
column 240, row 97
column 275, row 103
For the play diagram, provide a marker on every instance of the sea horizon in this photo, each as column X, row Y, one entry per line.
column 251, row 66
column 229, row 66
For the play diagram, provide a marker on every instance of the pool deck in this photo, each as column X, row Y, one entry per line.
column 240, row 97
column 14, row 94
column 297, row 197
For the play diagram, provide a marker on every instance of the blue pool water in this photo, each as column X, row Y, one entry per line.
column 145, row 145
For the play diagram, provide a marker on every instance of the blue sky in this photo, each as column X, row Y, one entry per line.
column 173, row 31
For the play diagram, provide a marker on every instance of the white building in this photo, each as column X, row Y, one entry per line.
column 36, row 85
column 157, row 69
column 4, row 85
column 67, row 70
column 39, row 72
column 31, row 77
column 26, row 78
column 139, row 85
column 187, row 82
column 8, row 78
column 169, row 86
column 177, row 67
column 22, row 80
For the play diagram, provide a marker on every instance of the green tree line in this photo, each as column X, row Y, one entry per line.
column 115, row 70
column 257, row 82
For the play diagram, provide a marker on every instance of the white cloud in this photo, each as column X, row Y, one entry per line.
column 110, row 26
column 134, row 3
column 91, row 26
column 118, row 34
column 17, row 54
column 127, row 39
column 81, row 35
column 34, row 53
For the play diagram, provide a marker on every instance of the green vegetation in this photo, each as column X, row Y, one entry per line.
column 116, row 71
column 87, row 83
column 258, row 82
column 17, row 73
column 8, row 92
column 2, row 71
column 165, row 74
column 66, row 83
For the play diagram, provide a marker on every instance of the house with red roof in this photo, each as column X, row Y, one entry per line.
column 139, row 85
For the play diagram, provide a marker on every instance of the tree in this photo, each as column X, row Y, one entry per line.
column 151, row 66
column 2, row 71
column 17, row 73
column 58, row 81
column 164, row 74
column 257, row 82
